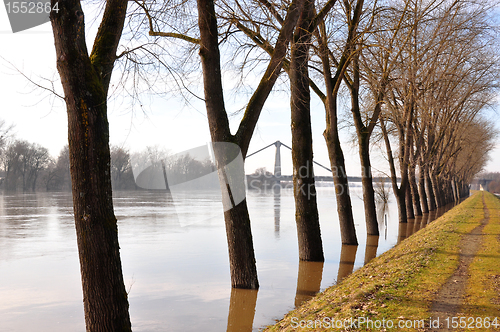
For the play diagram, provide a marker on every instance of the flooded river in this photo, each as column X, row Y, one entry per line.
column 175, row 260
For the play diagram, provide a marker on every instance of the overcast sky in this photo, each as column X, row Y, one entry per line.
column 40, row 117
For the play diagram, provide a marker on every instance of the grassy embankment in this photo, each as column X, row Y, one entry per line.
column 399, row 285
column 483, row 288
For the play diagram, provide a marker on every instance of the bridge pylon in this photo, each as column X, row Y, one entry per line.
column 277, row 160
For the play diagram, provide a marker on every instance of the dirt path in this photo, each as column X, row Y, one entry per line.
column 449, row 298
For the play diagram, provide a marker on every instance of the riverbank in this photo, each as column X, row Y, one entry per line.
column 405, row 287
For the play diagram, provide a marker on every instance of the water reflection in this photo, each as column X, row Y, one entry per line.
column 174, row 257
column 414, row 225
column 382, row 215
column 347, row 258
column 425, row 220
column 402, row 231
column 308, row 281
column 409, row 227
column 440, row 211
column 432, row 216
column 241, row 310
column 277, row 211
column 417, row 224
column 371, row 247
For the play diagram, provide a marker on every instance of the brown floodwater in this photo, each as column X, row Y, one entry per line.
column 175, row 260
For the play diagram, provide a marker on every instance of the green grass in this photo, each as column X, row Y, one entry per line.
column 399, row 285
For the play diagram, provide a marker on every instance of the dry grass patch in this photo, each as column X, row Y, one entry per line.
column 483, row 289
column 399, row 285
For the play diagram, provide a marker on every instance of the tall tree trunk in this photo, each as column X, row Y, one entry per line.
column 401, row 203
column 438, row 195
column 331, row 134
column 456, row 190
column 85, row 81
column 364, row 134
column 239, row 236
column 430, row 192
column 240, row 247
column 399, row 192
column 306, row 210
column 412, row 179
column 367, row 183
column 237, row 220
column 410, row 213
column 421, row 189
column 344, row 206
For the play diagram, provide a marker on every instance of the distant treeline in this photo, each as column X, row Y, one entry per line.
column 29, row 166
column 493, row 186
column 26, row 167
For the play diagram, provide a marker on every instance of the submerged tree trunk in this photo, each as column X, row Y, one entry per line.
column 399, row 192
column 430, row 192
column 85, row 81
column 368, row 190
column 438, row 195
column 331, row 133
column 363, row 132
column 344, row 206
column 410, row 213
column 237, row 220
column 239, row 236
column 306, row 210
column 421, row 189
column 412, row 178
column 240, row 247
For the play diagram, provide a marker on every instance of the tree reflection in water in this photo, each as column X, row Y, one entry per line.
column 241, row 310
column 371, row 248
column 308, row 281
column 347, row 258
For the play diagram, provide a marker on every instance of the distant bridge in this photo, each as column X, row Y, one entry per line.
column 480, row 184
column 278, row 177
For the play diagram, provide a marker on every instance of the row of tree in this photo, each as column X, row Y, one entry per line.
column 419, row 74
column 494, row 185
column 29, row 167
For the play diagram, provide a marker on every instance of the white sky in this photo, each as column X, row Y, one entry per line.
column 42, row 119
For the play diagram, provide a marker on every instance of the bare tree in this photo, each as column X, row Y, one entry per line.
column 442, row 81
column 333, row 80
column 122, row 177
column 306, row 210
column 5, row 132
column 58, row 177
column 85, row 78
column 241, row 255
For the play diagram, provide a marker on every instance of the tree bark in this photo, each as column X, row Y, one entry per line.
column 430, row 192
column 412, row 178
column 344, row 206
column 331, row 134
column 421, row 189
column 85, row 81
column 306, row 210
column 410, row 213
column 438, row 195
column 259, row 97
column 363, row 132
column 399, row 192
column 237, row 220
